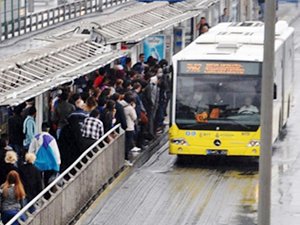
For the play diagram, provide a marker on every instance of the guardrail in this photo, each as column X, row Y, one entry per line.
column 39, row 20
column 64, row 198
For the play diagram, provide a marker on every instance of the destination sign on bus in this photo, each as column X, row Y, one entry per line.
column 213, row 67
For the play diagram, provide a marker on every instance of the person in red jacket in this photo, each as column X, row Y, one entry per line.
column 99, row 78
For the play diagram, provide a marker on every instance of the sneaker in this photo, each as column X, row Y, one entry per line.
column 159, row 131
column 144, row 146
column 166, row 122
column 128, row 163
column 135, row 149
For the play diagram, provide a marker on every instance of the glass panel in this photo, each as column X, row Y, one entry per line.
column 223, row 102
column 22, row 9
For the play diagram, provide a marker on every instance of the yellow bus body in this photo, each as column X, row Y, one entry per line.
column 202, row 142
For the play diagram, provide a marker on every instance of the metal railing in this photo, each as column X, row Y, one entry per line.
column 39, row 20
column 64, row 198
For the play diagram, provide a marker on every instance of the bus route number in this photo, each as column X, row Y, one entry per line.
column 193, row 67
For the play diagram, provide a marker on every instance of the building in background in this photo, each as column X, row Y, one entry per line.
column 10, row 12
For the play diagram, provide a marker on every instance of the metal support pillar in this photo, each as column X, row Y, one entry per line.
column 193, row 28
column 250, row 10
column 227, row 4
column 209, row 14
column 222, row 6
column 242, row 10
column 235, row 11
column 100, row 4
column 39, row 112
column 265, row 160
column 31, row 6
column 1, row 12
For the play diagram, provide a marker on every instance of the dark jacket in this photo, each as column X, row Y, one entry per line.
column 70, row 140
column 146, row 98
column 106, row 118
column 32, row 180
column 120, row 116
column 5, row 169
column 138, row 103
column 15, row 130
column 61, row 112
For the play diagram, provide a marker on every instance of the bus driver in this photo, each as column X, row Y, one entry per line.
column 248, row 108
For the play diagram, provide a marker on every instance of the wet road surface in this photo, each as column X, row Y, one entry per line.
column 168, row 191
column 286, row 158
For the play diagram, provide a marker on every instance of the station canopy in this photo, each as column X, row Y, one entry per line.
column 141, row 20
column 35, row 71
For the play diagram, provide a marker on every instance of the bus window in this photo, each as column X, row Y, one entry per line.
column 204, row 102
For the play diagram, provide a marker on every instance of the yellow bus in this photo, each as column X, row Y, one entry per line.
column 216, row 99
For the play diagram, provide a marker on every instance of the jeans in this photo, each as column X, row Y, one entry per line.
column 47, row 174
column 9, row 214
column 129, row 142
column 32, row 208
column 160, row 114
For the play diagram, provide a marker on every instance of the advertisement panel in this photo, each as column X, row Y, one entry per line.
column 155, row 46
column 178, row 39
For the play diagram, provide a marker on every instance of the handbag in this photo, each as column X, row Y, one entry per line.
column 144, row 118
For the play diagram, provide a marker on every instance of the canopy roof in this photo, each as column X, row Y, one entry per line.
column 70, row 56
column 143, row 20
column 36, row 71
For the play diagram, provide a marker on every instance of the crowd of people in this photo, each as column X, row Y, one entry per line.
column 135, row 96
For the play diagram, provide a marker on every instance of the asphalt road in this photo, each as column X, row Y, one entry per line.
column 191, row 191
column 286, row 159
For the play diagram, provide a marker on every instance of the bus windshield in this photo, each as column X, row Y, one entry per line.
column 218, row 102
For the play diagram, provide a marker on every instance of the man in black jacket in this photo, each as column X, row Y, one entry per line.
column 120, row 115
column 31, row 177
column 71, row 141
column 15, row 131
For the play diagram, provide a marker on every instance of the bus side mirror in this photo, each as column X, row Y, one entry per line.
column 274, row 92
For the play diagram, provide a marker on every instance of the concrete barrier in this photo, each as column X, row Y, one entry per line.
column 65, row 197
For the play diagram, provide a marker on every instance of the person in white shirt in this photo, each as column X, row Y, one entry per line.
column 248, row 108
column 130, row 114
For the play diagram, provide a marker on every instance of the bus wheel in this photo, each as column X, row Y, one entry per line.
column 182, row 159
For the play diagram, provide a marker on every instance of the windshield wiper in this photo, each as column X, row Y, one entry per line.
column 239, row 123
column 192, row 125
column 212, row 122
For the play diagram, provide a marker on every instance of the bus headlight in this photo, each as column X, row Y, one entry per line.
column 253, row 143
column 179, row 141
